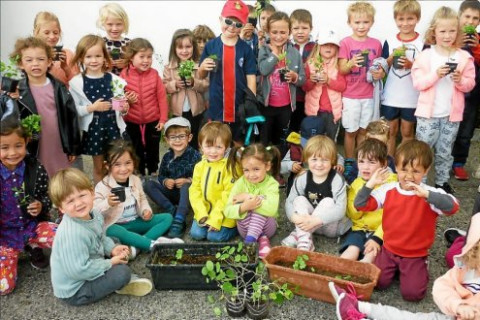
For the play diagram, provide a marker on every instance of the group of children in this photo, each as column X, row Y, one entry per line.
column 376, row 196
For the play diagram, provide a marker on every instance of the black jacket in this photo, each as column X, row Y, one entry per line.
column 66, row 112
column 36, row 186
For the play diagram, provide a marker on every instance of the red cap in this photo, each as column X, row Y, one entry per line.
column 236, row 9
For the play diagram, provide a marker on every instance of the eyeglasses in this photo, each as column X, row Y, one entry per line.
column 177, row 138
column 230, row 22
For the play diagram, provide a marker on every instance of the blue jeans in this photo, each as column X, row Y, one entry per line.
column 167, row 198
column 201, row 233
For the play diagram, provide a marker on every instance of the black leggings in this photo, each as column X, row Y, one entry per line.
column 275, row 128
column 148, row 153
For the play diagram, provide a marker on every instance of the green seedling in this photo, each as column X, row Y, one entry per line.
column 185, row 69
column 32, row 125
column 301, row 262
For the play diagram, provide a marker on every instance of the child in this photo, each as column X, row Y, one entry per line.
column 128, row 216
column 358, row 103
column 324, row 84
column 455, row 293
column 80, row 272
column 46, row 26
column 25, row 205
column 410, row 211
column 400, row 97
column 175, row 174
column 148, row 104
column 201, row 35
column 441, row 101
column 469, row 14
column 114, row 20
column 236, row 68
column 40, row 93
column 366, row 236
column 301, row 23
column 266, row 10
column 318, row 198
column 212, row 181
column 254, row 198
column 186, row 97
column 278, row 96
column 380, row 130
column 92, row 91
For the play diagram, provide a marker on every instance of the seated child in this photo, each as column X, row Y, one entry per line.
column 212, row 181
column 80, row 272
column 175, row 174
column 455, row 293
column 24, row 207
column 318, row 197
column 410, row 211
column 254, row 198
column 366, row 236
column 119, row 196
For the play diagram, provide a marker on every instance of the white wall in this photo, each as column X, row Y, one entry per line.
column 157, row 20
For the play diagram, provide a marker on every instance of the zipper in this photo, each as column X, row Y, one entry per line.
column 218, row 178
column 205, row 190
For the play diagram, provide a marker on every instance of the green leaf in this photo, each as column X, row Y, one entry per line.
column 209, row 265
column 210, row 299
column 217, row 311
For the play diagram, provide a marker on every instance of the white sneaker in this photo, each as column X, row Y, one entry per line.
column 306, row 243
column 291, row 240
column 138, row 287
column 133, row 252
column 165, row 240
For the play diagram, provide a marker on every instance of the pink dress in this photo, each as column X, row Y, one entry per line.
column 50, row 153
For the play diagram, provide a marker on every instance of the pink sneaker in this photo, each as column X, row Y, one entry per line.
column 305, row 243
column 347, row 307
column 336, row 291
column 263, row 246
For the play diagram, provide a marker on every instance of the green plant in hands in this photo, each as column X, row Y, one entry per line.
column 213, row 57
column 9, row 69
column 366, row 51
column 469, row 29
column 118, row 87
column 318, row 63
column 21, row 195
column 185, row 69
column 400, row 52
column 32, row 125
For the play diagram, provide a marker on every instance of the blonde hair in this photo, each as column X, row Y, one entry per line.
column 407, row 6
column 316, row 52
column 30, row 42
column 213, row 130
column 41, row 18
column 113, row 10
column 321, row 146
column 361, row 7
column 84, row 45
column 444, row 13
column 65, row 182
column 203, row 32
column 379, row 128
column 471, row 258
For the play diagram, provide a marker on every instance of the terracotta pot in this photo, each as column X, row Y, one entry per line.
column 257, row 311
column 118, row 103
column 315, row 285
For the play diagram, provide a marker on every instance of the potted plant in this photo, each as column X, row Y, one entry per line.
column 283, row 71
column 32, row 126
column 185, row 70
column 22, row 196
column 314, row 270
column 215, row 59
column 118, row 100
column 56, row 52
column 11, row 74
column 397, row 54
column 115, row 54
column 469, row 30
column 364, row 54
column 318, row 64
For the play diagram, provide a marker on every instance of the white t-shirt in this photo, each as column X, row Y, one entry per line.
column 186, row 104
column 444, row 86
column 129, row 207
column 399, row 91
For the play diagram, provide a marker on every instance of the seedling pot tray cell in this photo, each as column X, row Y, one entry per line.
column 315, row 284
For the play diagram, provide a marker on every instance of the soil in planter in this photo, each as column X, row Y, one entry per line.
column 331, row 274
column 193, row 259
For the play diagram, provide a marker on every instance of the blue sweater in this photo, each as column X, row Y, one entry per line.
column 78, row 254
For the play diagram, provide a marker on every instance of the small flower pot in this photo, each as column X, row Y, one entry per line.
column 184, row 79
column 257, row 310
column 237, row 307
column 396, row 63
column 119, row 192
column 215, row 68
column 365, row 61
column 452, row 66
column 115, row 55
column 283, row 73
column 56, row 52
column 118, row 103
column 9, row 84
column 470, row 35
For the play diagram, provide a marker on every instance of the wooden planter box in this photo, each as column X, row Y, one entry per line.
column 186, row 276
column 315, row 285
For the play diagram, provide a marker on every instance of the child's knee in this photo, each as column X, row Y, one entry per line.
column 198, row 234
column 122, row 275
column 413, row 292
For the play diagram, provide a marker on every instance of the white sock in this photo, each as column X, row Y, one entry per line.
column 364, row 307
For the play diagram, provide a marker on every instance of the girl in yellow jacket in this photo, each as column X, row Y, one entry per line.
column 212, row 181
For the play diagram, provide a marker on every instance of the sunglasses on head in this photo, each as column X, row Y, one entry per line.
column 230, row 22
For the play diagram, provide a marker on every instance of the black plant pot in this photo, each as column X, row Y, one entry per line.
column 257, row 311
column 452, row 66
column 364, row 63
column 283, row 73
column 184, row 81
column 9, row 84
column 57, row 50
column 215, row 68
column 236, row 308
column 120, row 193
column 115, row 55
column 396, row 63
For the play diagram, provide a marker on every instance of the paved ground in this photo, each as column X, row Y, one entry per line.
column 33, row 298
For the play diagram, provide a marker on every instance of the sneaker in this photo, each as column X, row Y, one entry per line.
column 306, row 244
column 290, row 241
column 347, row 307
column 263, row 246
column 446, row 187
column 336, row 291
column 132, row 252
column 349, row 172
column 460, row 173
column 38, row 260
column 451, row 234
column 164, row 240
column 138, row 287
column 177, row 229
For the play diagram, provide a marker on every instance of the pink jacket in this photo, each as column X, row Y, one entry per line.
column 152, row 100
column 425, row 81
column 448, row 292
column 112, row 214
column 178, row 96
